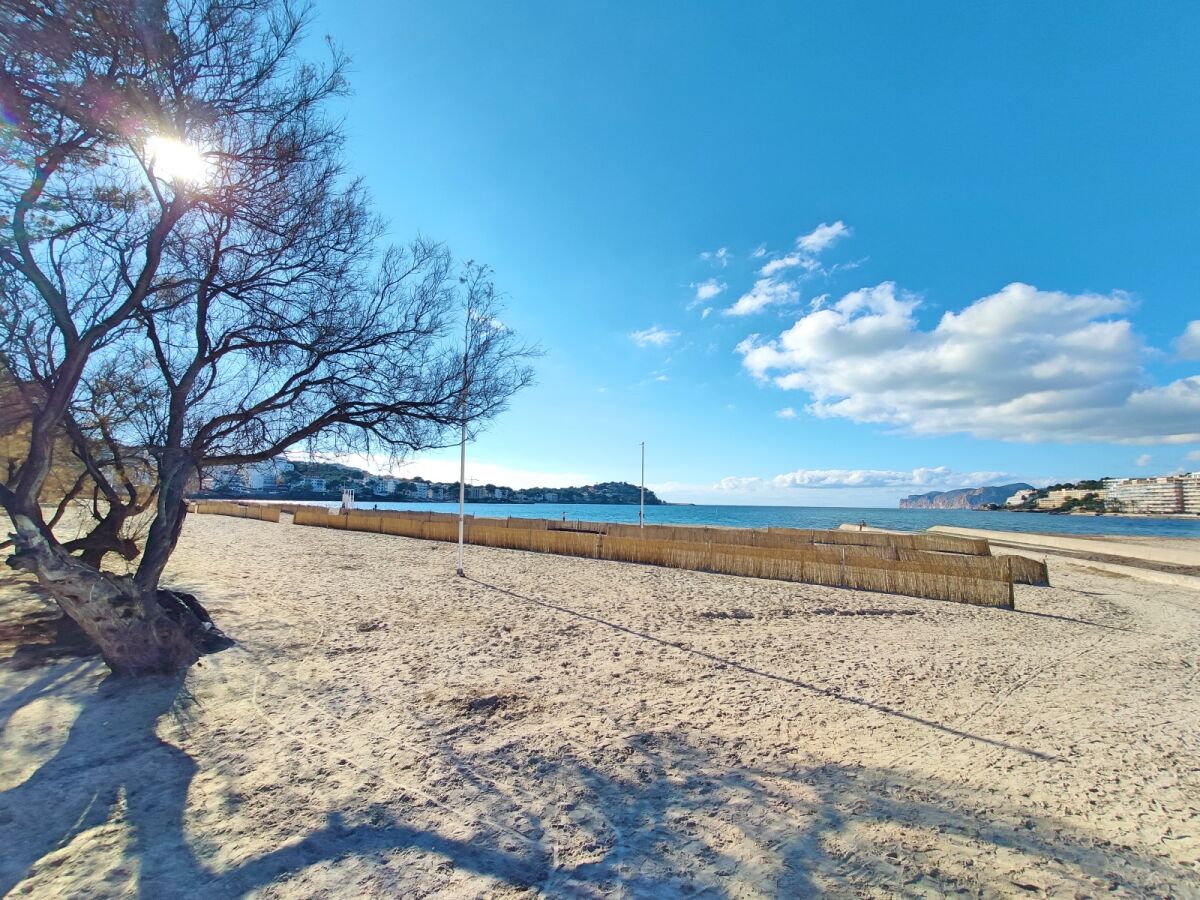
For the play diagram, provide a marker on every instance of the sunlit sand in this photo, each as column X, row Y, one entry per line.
column 584, row 727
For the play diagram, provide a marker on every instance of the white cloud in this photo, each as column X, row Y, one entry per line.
column 707, row 311
column 759, row 252
column 822, row 237
column 733, row 483
column 653, row 337
column 766, row 292
column 1187, row 345
column 706, row 290
column 786, row 413
column 1192, row 456
column 808, row 248
column 928, row 479
column 790, row 262
column 746, row 344
column 1021, row 364
column 656, row 377
column 719, row 257
column 1143, row 460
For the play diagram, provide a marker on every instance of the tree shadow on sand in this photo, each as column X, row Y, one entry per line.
column 660, row 814
column 654, row 814
column 33, row 629
column 114, row 764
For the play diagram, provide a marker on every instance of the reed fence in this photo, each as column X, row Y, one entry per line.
column 930, row 542
column 1026, row 570
column 886, row 544
column 911, row 567
column 262, row 512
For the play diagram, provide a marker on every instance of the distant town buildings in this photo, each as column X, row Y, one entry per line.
column 1163, row 495
column 1020, row 497
column 1058, row 499
column 326, row 480
column 381, row 485
column 259, row 476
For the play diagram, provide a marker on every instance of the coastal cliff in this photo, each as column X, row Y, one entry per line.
column 964, row 498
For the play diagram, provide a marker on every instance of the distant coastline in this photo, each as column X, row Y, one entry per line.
column 819, row 517
column 282, row 479
column 361, row 499
column 1186, row 517
column 1174, row 496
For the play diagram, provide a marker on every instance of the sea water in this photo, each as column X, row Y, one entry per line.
column 813, row 517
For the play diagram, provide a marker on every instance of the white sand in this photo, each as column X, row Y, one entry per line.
column 586, row 728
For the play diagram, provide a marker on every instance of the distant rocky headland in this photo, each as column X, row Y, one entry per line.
column 964, row 498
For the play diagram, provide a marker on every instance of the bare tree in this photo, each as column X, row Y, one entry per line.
column 189, row 278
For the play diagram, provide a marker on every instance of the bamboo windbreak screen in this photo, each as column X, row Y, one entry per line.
column 262, row 511
column 939, row 567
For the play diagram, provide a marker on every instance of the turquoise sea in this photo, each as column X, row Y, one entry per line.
column 818, row 517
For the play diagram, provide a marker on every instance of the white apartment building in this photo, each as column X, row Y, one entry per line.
column 381, row 484
column 1059, row 498
column 1019, row 497
column 266, row 474
column 1164, row 495
column 252, row 476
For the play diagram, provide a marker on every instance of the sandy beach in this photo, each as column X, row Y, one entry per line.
column 583, row 728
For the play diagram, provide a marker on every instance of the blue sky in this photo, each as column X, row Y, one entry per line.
column 937, row 244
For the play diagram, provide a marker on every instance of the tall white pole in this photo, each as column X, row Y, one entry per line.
column 462, row 473
column 462, row 452
column 642, row 506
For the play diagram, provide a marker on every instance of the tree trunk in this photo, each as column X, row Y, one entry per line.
column 105, row 538
column 173, row 469
column 138, row 631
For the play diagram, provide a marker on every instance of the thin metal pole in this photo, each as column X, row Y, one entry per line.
column 642, row 506
column 462, row 472
column 462, row 453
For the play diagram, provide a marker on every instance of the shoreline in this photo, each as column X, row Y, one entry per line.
column 821, row 518
column 360, row 503
column 1186, row 517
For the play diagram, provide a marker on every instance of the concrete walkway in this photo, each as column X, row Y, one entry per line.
column 1172, row 555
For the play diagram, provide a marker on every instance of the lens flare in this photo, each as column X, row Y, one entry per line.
column 173, row 160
